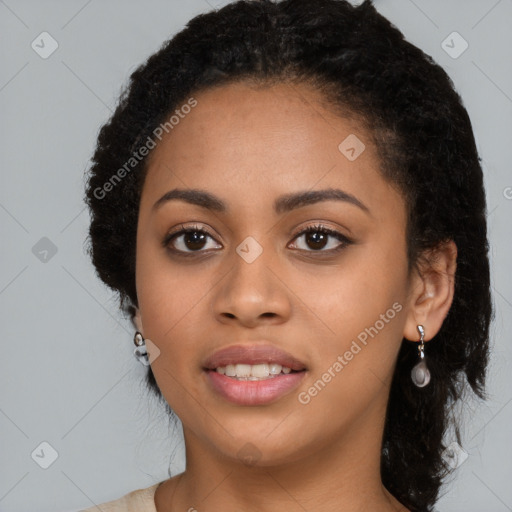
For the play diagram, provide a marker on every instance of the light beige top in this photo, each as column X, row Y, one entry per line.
column 141, row 500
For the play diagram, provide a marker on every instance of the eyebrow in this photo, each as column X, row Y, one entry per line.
column 282, row 204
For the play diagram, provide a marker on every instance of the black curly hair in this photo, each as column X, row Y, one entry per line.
column 361, row 64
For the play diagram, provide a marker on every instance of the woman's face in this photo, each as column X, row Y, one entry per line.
column 257, row 288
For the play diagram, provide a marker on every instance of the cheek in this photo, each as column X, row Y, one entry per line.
column 351, row 296
column 353, row 365
column 168, row 303
column 165, row 296
column 359, row 311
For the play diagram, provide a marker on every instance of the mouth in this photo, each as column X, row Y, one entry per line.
column 253, row 375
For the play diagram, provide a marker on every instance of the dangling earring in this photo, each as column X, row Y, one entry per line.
column 140, row 351
column 420, row 374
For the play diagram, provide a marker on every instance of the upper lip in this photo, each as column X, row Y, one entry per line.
column 252, row 354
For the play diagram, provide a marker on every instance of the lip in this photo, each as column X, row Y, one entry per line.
column 252, row 354
column 246, row 392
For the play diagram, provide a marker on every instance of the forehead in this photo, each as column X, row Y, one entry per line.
column 240, row 121
column 254, row 142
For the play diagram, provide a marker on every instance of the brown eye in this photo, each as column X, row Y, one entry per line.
column 194, row 240
column 317, row 238
column 188, row 241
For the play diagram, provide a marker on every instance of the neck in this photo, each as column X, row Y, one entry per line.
column 343, row 474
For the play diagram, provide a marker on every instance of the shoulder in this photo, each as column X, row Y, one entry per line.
column 140, row 500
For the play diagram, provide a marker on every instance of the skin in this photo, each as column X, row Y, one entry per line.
column 248, row 146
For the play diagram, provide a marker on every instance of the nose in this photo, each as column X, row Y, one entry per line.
column 252, row 293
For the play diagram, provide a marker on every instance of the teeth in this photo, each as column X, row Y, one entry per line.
column 275, row 369
column 258, row 370
column 254, row 371
column 243, row 370
column 230, row 370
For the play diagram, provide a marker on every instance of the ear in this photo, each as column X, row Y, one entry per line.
column 431, row 292
column 137, row 321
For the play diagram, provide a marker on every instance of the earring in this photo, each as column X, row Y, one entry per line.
column 140, row 351
column 420, row 374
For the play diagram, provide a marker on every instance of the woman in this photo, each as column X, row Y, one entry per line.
column 289, row 202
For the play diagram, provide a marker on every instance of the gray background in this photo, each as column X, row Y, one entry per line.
column 67, row 371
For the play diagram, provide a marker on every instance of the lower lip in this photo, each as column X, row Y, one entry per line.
column 254, row 392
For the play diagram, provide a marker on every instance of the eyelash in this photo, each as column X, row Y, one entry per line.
column 317, row 228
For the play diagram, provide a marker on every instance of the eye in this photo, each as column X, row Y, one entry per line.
column 194, row 239
column 317, row 239
column 188, row 240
